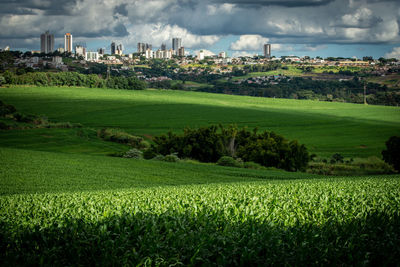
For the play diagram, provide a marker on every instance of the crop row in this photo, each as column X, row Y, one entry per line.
column 322, row 221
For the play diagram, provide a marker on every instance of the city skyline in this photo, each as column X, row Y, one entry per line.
column 307, row 27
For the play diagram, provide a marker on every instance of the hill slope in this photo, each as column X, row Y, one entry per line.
column 326, row 128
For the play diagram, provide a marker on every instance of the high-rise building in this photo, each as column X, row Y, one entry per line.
column 101, row 51
column 163, row 47
column 119, row 50
column 113, row 48
column 176, row 44
column 80, row 51
column 68, row 42
column 201, row 55
column 46, row 42
column 142, row 47
column 222, row 54
column 92, row 56
column 181, row 51
column 267, row 50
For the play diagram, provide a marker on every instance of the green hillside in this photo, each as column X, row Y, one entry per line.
column 326, row 128
column 64, row 203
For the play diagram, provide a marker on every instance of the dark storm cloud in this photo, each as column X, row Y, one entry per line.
column 295, row 21
column 284, row 3
column 121, row 9
column 50, row 7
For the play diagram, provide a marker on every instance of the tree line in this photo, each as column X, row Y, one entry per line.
column 73, row 79
column 209, row 144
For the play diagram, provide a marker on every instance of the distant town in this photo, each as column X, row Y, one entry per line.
column 366, row 80
column 114, row 55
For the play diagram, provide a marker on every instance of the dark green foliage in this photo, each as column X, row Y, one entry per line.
column 337, row 158
column 3, row 126
column 359, row 166
column 118, row 136
column 6, row 109
column 207, row 144
column 148, row 154
column 392, row 153
column 171, row 158
column 74, row 79
column 253, row 165
column 228, row 161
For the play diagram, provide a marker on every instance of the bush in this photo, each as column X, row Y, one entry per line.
column 337, row 158
column 24, row 118
column 253, row 165
column 228, row 161
column 118, row 136
column 6, row 109
column 360, row 166
column 148, row 154
column 133, row 154
column 171, row 158
column 3, row 126
column 159, row 158
column 392, row 153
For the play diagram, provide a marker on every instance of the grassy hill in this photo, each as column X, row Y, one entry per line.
column 80, row 207
column 326, row 128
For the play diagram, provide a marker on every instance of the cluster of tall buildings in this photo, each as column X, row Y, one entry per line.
column 162, row 53
column 47, row 46
column 116, row 49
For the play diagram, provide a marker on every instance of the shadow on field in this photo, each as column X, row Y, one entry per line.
column 206, row 238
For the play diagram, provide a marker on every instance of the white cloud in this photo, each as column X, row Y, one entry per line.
column 157, row 34
column 394, row 54
column 360, row 16
column 207, row 53
column 243, row 54
column 250, row 42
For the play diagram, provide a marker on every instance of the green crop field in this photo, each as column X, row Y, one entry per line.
column 71, row 209
column 325, row 128
column 64, row 203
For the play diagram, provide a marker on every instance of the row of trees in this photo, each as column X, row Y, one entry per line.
column 305, row 88
column 209, row 144
column 73, row 79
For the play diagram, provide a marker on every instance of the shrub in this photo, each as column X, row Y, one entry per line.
column 6, row 109
column 228, row 161
column 148, row 154
column 118, row 136
column 253, row 165
column 392, row 153
column 337, row 158
column 3, row 126
column 171, row 158
column 24, row 118
column 133, row 154
column 159, row 158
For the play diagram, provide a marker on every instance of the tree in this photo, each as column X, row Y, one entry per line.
column 391, row 155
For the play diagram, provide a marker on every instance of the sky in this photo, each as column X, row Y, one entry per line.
column 338, row 28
